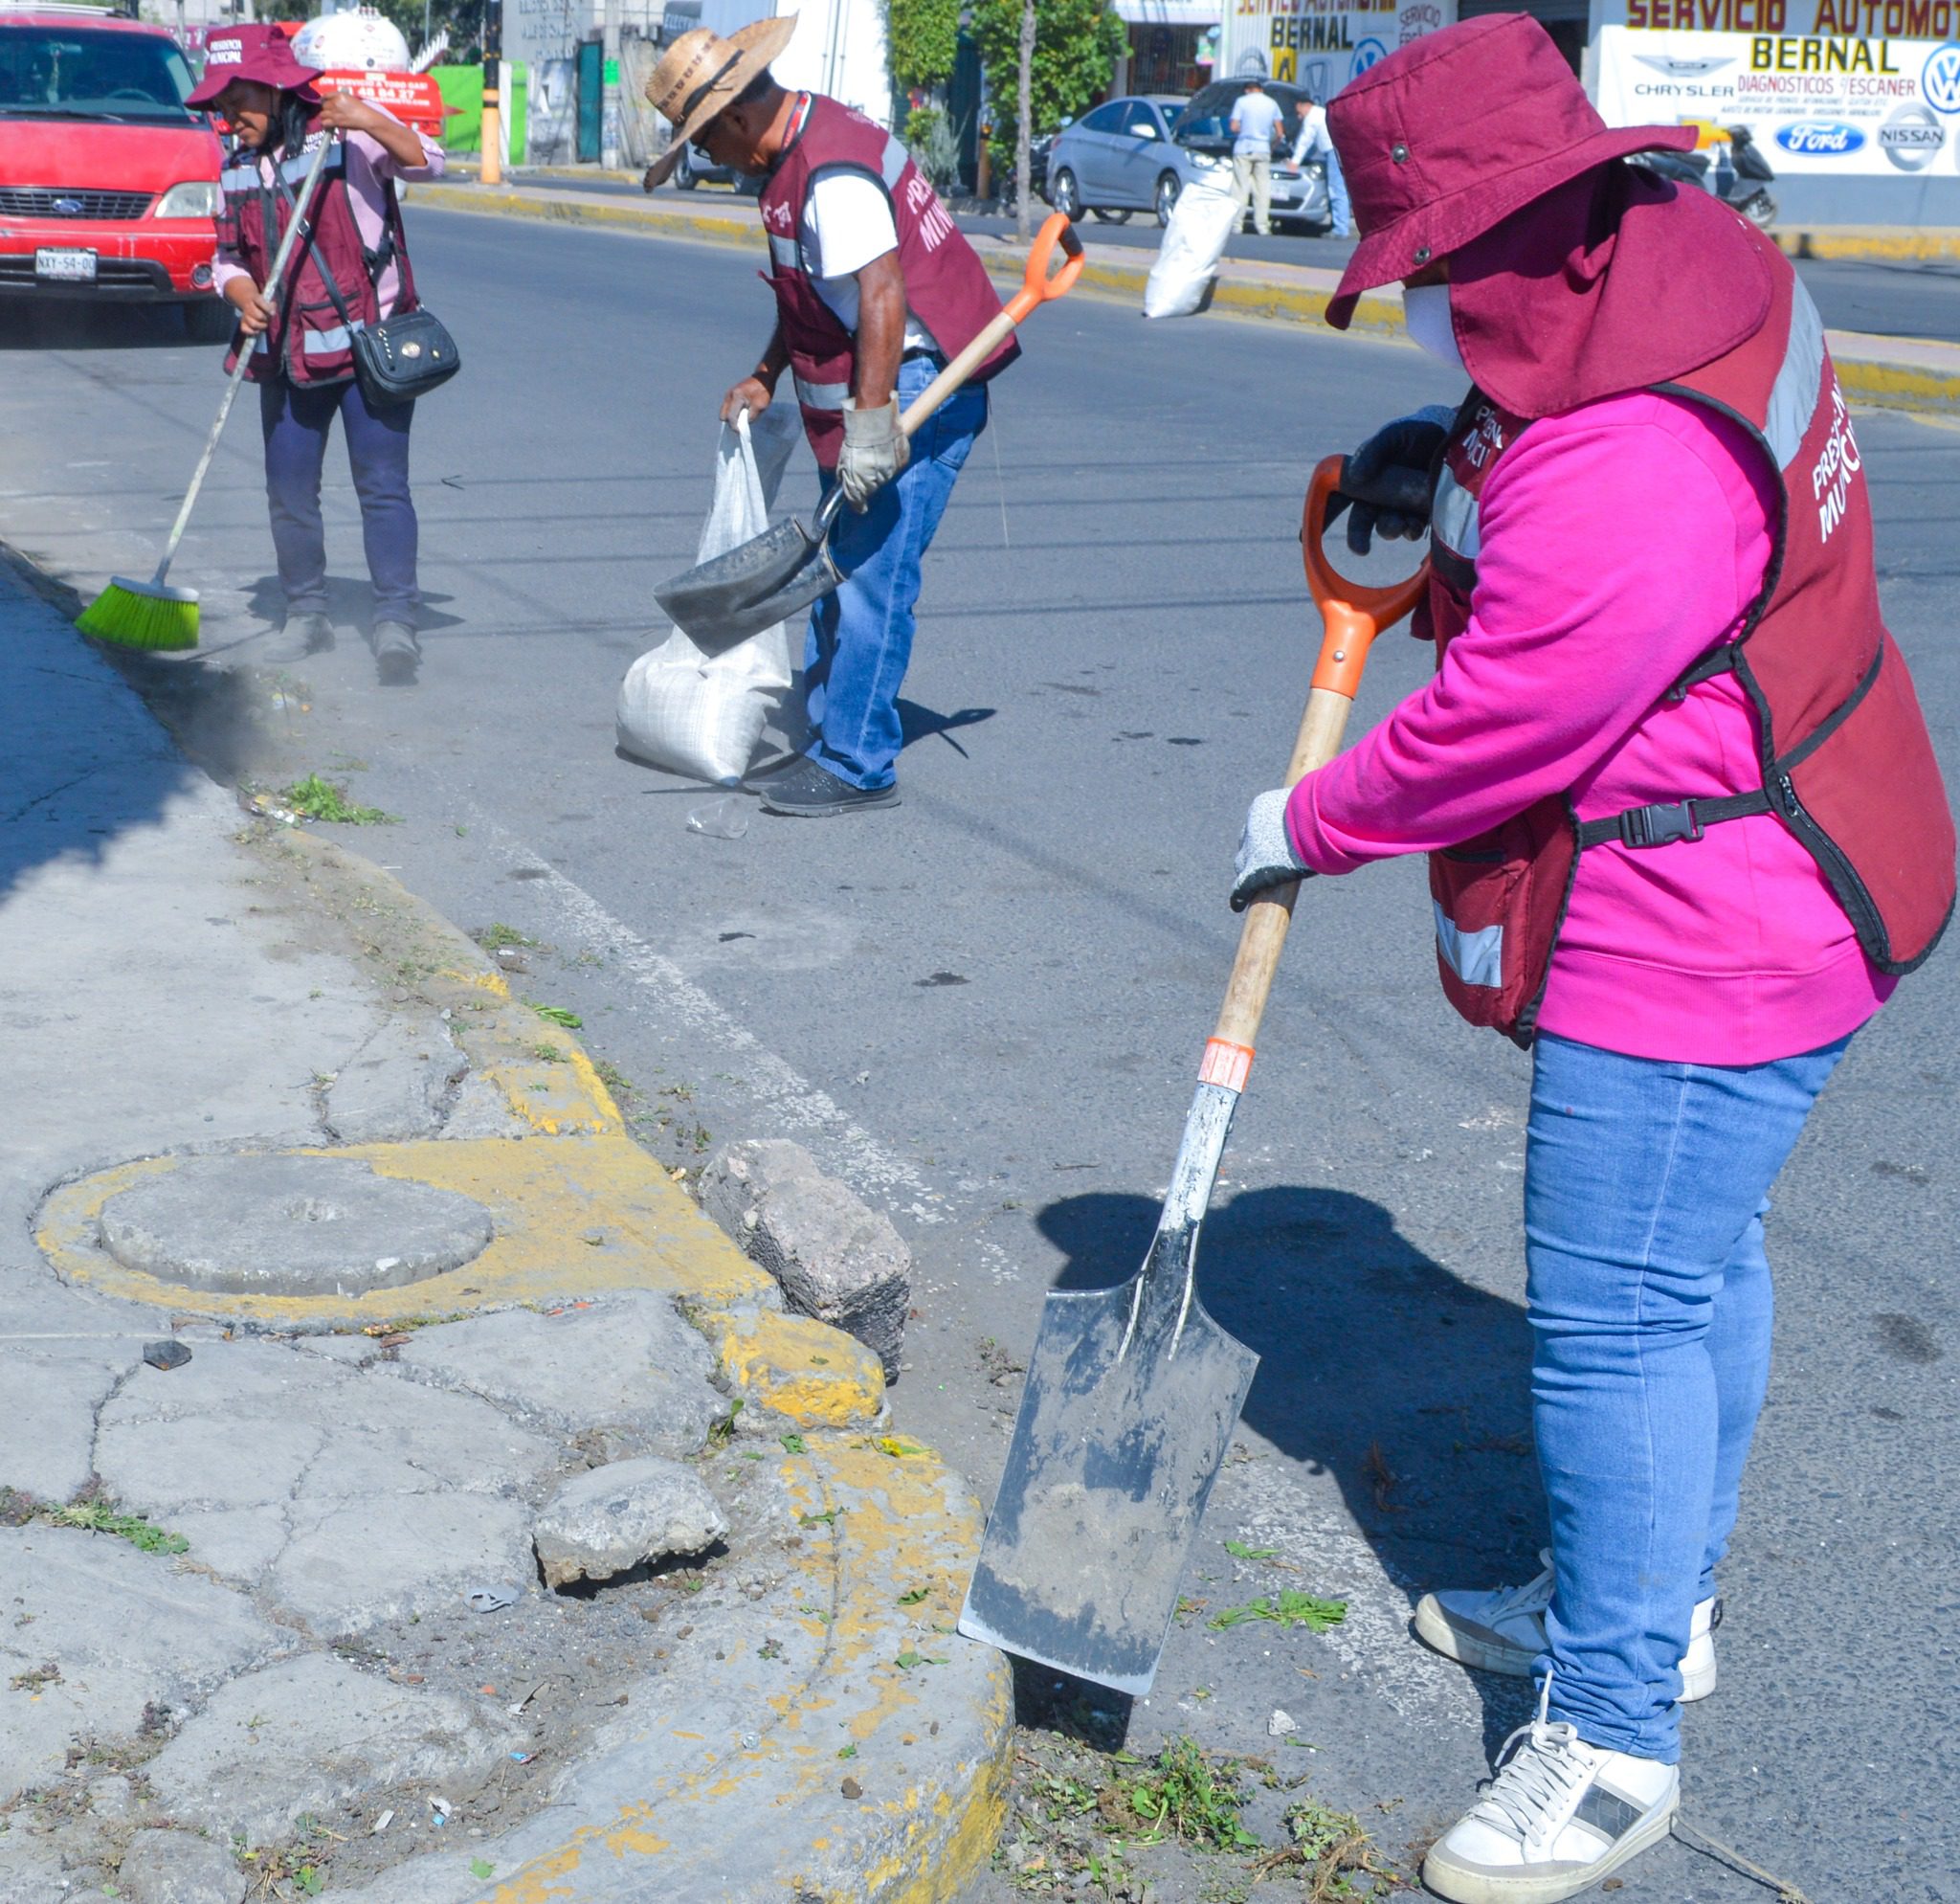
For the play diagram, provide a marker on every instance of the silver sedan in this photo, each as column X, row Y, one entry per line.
column 1137, row 154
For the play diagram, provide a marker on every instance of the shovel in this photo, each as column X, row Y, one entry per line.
column 783, row 571
column 1132, row 1393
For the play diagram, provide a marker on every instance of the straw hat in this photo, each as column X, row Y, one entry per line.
column 701, row 74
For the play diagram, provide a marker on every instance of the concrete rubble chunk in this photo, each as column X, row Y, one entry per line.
column 834, row 1257
column 179, row 1867
column 629, row 1363
column 313, row 1734
column 609, row 1520
column 290, row 1225
column 398, row 1085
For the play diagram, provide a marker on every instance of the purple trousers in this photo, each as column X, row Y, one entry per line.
column 296, row 421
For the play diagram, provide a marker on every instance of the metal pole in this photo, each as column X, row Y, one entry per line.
column 608, row 87
column 492, row 171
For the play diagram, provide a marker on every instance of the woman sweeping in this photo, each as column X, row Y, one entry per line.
column 352, row 271
column 1686, row 830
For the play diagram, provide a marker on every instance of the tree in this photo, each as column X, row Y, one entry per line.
column 922, row 37
column 1075, row 45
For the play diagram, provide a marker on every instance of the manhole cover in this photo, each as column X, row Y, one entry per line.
column 290, row 1226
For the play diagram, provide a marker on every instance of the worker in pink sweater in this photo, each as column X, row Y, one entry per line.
column 1686, row 830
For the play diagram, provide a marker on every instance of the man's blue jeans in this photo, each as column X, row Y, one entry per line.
column 861, row 637
column 1649, row 1297
column 1339, row 209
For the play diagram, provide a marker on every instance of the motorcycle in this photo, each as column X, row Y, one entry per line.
column 1735, row 171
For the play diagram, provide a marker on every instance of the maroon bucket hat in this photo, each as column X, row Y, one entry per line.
column 257, row 53
column 1451, row 134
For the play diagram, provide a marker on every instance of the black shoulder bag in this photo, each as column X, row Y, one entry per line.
column 399, row 358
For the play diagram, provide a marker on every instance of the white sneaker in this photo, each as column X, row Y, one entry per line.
column 1503, row 1631
column 1560, row 1816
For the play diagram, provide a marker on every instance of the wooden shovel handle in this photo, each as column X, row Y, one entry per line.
column 1352, row 616
column 1038, row 287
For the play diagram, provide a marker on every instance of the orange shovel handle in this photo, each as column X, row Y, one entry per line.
column 1353, row 613
column 1038, row 287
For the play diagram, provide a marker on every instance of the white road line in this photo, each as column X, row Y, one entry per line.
column 871, row 1169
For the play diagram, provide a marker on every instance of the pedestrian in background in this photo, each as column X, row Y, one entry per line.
column 876, row 290
column 1686, row 829
column 1257, row 127
column 1314, row 143
column 301, row 352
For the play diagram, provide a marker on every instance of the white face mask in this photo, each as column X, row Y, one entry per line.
column 1426, row 314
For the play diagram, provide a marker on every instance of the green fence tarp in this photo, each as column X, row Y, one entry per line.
column 462, row 92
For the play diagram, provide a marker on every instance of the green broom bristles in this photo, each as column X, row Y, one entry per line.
column 142, row 615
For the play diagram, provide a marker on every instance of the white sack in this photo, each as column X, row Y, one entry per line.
column 1201, row 222
column 703, row 714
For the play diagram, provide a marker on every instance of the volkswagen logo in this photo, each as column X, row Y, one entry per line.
column 1939, row 80
column 1819, row 138
column 67, row 208
column 1912, row 137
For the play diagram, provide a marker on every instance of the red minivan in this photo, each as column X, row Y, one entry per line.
column 108, row 181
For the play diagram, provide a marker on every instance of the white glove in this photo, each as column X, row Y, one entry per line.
column 874, row 450
column 1265, row 851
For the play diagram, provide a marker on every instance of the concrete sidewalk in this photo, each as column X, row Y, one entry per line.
column 340, row 1312
column 1913, row 374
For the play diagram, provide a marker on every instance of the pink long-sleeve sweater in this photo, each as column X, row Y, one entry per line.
column 1618, row 542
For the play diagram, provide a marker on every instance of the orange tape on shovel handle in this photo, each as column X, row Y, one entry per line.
column 1353, row 613
column 1038, row 287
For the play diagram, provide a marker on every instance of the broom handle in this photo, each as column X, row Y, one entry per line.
column 245, row 355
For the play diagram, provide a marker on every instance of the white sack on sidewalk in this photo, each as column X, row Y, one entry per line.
column 1201, row 222
column 703, row 714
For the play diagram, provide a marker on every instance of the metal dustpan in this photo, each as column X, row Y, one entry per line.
column 784, row 570
column 1132, row 1393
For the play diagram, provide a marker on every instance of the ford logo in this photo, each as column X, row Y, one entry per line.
column 1819, row 138
column 68, row 207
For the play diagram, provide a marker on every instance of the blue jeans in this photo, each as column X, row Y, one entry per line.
column 1339, row 209
column 1649, row 1299
column 296, row 423
column 861, row 637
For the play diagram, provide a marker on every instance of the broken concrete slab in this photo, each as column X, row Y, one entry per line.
column 397, row 1085
column 313, row 1733
column 626, row 1362
column 290, row 1225
column 179, row 1867
column 609, row 1520
column 53, row 1392
column 132, row 1634
column 833, row 1256
column 480, row 1109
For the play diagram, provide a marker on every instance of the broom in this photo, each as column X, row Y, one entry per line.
column 151, row 614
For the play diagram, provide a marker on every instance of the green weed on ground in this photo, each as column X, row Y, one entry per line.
column 493, row 938
column 318, row 799
column 1289, row 1607
column 99, row 1517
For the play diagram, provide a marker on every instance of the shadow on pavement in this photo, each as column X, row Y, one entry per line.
column 34, row 322
column 1378, row 1366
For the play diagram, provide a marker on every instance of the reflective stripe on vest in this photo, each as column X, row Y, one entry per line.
column 328, row 343
column 821, row 397
column 1477, row 958
column 786, row 252
column 1793, row 404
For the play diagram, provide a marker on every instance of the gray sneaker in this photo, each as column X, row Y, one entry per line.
column 302, row 636
column 397, row 654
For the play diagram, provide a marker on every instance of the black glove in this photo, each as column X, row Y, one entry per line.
column 1387, row 480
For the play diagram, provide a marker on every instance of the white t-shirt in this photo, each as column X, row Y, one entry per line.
column 1313, row 137
column 1253, row 120
column 847, row 224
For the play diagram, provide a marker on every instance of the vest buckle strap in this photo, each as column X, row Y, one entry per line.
column 1658, row 826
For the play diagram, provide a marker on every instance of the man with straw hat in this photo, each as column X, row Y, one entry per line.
column 875, row 289
column 1686, row 830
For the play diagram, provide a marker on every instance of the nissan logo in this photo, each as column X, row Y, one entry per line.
column 68, row 207
column 1912, row 139
column 1819, row 138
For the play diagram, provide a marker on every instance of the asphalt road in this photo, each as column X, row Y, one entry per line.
column 984, row 1007
column 1901, row 299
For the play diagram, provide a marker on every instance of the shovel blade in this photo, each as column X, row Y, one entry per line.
column 1131, row 1398
column 714, row 633
column 747, row 573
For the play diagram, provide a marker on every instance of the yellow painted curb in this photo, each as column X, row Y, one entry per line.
column 1879, row 244
column 621, row 215
column 882, row 1525
column 1899, row 386
column 796, row 1366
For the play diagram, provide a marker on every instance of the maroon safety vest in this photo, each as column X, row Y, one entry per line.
column 309, row 336
column 1845, row 761
column 946, row 287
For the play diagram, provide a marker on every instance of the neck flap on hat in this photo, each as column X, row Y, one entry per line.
column 1615, row 280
